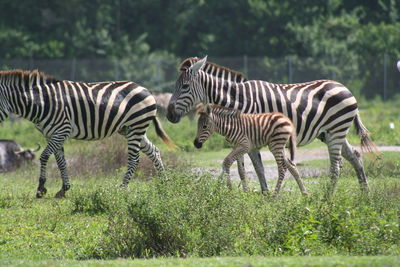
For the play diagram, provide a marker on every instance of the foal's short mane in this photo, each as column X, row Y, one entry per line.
column 221, row 111
column 212, row 69
column 27, row 76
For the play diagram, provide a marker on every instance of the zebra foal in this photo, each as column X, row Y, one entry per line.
column 84, row 111
column 248, row 132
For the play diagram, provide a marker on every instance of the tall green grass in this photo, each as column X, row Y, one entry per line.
column 185, row 214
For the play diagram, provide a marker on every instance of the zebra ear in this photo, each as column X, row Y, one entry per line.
column 194, row 69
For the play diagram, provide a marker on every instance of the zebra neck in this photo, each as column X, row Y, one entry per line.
column 223, row 92
column 224, row 124
column 22, row 103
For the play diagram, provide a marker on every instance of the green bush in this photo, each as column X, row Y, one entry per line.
column 185, row 214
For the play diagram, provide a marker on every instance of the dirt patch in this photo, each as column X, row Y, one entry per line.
column 302, row 155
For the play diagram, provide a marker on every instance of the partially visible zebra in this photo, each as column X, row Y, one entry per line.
column 85, row 111
column 162, row 101
column 320, row 109
column 247, row 132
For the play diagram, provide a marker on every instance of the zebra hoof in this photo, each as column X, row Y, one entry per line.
column 266, row 193
column 60, row 194
column 364, row 188
column 41, row 192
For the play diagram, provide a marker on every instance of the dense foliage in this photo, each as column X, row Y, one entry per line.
column 336, row 39
column 273, row 28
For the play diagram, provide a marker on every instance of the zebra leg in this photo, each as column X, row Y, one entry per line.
column 279, row 156
column 133, row 158
column 147, row 147
column 334, row 143
column 242, row 173
column 354, row 157
column 44, row 157
column 55, row 143
column 235, row 154
column 293, row 170
column 255, row 157
column 62, row 166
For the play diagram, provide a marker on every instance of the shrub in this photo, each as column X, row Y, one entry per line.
column 186, row 214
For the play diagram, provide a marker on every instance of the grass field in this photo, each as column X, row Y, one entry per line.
column 258, row 261
column 185, row 218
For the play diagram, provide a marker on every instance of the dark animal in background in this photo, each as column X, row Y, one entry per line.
column 13, row 156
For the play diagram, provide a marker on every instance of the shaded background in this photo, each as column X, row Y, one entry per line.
column 354, row 42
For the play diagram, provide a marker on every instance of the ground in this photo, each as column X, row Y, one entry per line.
column 303, row 158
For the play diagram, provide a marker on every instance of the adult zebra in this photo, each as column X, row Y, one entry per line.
column 85, row 111
column 319, row 109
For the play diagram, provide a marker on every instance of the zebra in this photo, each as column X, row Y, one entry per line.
column 247, row 132
column 320, row 109
column 63, row 109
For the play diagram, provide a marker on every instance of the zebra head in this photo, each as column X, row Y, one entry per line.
column 189, row 91
column 205, row 126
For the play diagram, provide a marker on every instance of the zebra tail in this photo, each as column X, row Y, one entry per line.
column 292, row 145
column 366, row 143
column 163, row 135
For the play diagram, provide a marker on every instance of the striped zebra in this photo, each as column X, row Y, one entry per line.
column 85, row 111
column 247, row 132
column 320, row 109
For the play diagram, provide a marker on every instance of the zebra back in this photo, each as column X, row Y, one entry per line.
column 258, row 129
column 90, row 111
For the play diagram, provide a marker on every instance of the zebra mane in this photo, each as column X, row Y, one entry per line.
column 215, row 70
column 29, row 77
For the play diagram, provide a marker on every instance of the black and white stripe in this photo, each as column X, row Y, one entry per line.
column 85, row 111
column 248, row 132
column 321, row 109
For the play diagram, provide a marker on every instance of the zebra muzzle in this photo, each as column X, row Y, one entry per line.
column 197, row 144
column 172, row 116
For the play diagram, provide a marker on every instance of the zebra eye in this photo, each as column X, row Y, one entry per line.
column 204, row 127
column 185, row 86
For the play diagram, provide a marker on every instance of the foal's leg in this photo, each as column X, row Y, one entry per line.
column 293, row 170
column 242, row 173
column 235, row 154
column 278, row 152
